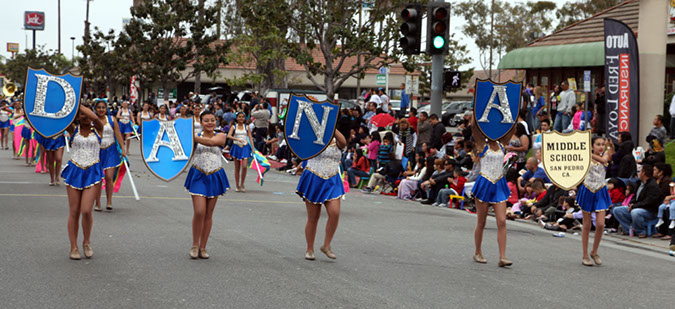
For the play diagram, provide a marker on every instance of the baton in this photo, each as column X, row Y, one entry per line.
column 131, row 179
column 135, row 132
column 67, row 146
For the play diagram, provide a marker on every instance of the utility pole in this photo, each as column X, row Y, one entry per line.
column 492, row 31
column 358, row 57
column 59, row 13
column 436, row 80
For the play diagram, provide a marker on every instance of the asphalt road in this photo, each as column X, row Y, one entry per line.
column 391, row 254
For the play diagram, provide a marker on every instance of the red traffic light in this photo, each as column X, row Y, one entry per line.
column 409, row 14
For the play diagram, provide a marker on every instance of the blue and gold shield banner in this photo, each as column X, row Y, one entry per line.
column 51, row 101
column 495, row 107
column 167, row 146
column 310, row 125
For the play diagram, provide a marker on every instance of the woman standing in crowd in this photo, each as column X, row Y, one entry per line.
column 125, row 117
column 145, row 114
column 82, row 176
column 539, row 106
column 241, row 150
column 321, row 183
column 491, row 188
column 5, row 112
column 593, row 197
column 206, row 181
column 163, row 114
column 407, row 138
column 109, row 156
column 373, row 147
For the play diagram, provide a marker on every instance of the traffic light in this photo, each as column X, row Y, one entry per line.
column 438, row 16
column 411, row 28
column 451, row 80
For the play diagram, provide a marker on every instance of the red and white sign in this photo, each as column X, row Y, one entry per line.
column 33, row 20
column 13, row 47
column 133, row 90
column 624, row 93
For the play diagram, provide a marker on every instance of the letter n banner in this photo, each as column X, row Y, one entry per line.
column 51, row 101
column 309, row 125
column 566, row 157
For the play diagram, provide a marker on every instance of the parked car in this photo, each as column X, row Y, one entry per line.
column 427, row 107
column 395, row 105
column 455, row 108
column 348, row 104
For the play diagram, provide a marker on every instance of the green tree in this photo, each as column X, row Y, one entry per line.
column 16, row 68
column 103, row 65
column 574, row 11
column 327, row 35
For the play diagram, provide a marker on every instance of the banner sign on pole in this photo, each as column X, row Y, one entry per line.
column 51, row 101
column 566, row 157
column 310, row 125
column 587, row 81
column 495, row 107
column 622, row 80
column 167, row 146
column 13, row 47
column 133, row 90
column 33, row 20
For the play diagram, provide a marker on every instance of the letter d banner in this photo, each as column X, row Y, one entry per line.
column 566, row 157
column 51, row 101
column 495, row 107
column 309, row 125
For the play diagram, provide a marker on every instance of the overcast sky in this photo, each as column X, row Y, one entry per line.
column 105, row 14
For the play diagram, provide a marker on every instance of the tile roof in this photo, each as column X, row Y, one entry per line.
column 591, row 29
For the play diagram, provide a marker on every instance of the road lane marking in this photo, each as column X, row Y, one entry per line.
column 147, row 197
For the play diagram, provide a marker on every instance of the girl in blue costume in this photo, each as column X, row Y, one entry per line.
column 490, row 188
column 206, row 181
column 321, row 183
column 593, row 197
column 241, row 149
column 5, row 112
column 126, row 122
column 53, row 148
column 109, row 155
column 27, row 135
column 82, row 176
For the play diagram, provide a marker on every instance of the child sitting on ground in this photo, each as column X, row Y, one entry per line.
column 515, row 211
column 569, row 220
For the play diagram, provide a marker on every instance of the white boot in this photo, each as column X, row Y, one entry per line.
column 658, row 224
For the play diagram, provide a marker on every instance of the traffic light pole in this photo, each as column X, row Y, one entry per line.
column 436, row 84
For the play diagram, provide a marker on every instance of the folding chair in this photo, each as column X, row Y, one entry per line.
column 458, row 197
column 363, row 181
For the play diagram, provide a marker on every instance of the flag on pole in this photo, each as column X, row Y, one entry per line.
column 259, row 163
column 120, row 171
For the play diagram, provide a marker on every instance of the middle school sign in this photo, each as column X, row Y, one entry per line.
column 566, row 157
column 495, row 107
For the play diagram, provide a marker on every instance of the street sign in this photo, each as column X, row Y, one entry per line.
column 13, row 47
column 383, row 70
column 408, row 84
column 416, row 85
column 381, row 79
column 587, row 81
column 33, row 20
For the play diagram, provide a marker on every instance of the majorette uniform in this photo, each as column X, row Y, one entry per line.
column 491, row 186
column 592, row 195
column 241, row 150
column 51, row 144
column 206, row 176
column 109, row 155
column 125, row 122
column 84, row 168
column 320, row 181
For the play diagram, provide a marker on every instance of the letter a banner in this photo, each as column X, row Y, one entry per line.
column 51, row 101
column 310, row 125
column 495, row 107
column 167, row 146
column 566, row 157
column 622, row 80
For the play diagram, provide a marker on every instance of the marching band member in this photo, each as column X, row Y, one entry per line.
column 196, row 111
column 321, row 183
column 18, row 114
column 205, row 182
column 163, row 114
column 109, row 155
column 5, row 112
column 125, row 117
column 241, row 149
column 145, row 114
column 53, row 155
column 27, row 135
column 491, row 188
column 593, row 198
column 82, row 176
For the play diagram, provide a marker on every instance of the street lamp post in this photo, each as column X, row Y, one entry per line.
column 72, row 55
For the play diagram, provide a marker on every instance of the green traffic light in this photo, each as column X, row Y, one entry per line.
column 439, row 42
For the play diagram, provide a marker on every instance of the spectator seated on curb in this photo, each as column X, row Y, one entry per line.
column 438, row 182
column 393, row 170
column 516, row 211
column 408, row 186
column 570, row 220
column 643, row 206
column 533, row 172
column 456, row 186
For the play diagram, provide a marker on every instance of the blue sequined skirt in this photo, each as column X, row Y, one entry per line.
column 317, row 190
column 493, row 193
column 209, row 186
column 240, row 152
column 110, row 157
column 51, row 144
column 125, row 127
column 4, row 124
column 27, row 133
column 593, row 202
column 79, row 178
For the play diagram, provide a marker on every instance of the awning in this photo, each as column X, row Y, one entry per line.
column 555, row 56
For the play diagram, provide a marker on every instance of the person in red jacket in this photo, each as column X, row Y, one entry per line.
column 456, row 185
column 361, row 168
column 616, row 192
